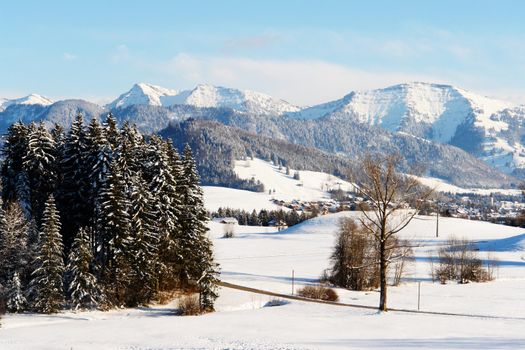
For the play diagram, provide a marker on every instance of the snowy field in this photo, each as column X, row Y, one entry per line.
column 261, row 258
column 312, row 186
column 442, row 186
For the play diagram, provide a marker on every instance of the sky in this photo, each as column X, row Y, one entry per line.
column 305, row 52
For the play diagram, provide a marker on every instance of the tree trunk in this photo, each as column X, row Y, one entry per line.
column 382, row 277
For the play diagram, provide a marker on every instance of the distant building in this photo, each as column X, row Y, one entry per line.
column 231, row 221
column 280, row 224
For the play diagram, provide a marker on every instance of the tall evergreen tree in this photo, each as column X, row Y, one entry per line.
column 114, row 234
column 83, row 288
column 39, row 164
column 15, row 252
column 47, row 284
column 163, row 186
column 13, row 151
column 196, row 248
column 98, row 160
column 73, row 193
column 111, row 132
column 144, row 241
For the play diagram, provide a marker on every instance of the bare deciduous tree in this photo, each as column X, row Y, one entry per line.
column 388, row 193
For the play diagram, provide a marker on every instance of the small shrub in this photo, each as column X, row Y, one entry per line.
column 459, row 260
column 492, row 266
column 318, row 292
column 275, row 302
column 189, row 305
column 229, row 230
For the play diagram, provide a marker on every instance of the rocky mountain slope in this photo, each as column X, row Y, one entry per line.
column 421, row 121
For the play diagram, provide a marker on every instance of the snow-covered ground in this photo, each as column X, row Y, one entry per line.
column 262, row 258
column 311, row 186
column 222, row 197
column 442, row 186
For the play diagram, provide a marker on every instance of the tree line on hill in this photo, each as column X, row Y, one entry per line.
column 99, row 216
column 263, row 217
column 218, row 146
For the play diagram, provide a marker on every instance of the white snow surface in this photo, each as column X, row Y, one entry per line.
column 32, row 99
column 311, row 186
column 443, row 186
column 204, row 95
column 217, row 197
column 443, row 106
column 262, row 258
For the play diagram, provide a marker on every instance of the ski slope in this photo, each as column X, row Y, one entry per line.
column 262, row 258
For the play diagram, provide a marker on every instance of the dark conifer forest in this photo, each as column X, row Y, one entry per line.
column 99, row 216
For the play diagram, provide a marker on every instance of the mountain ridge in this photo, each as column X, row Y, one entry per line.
column 491, row 130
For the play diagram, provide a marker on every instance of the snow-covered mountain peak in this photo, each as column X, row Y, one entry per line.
column 144, row 94
column 423, row 109
column 204, row 95
column 32, row 99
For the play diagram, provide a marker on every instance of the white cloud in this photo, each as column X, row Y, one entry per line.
column 302, row 82
column 69, row 56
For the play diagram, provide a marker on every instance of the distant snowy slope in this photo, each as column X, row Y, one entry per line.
column 442, row 186
column 32, row 99
column 223, row 197
column 423, row 109
column 312, row 185
column 488, row 128
column 204, row 95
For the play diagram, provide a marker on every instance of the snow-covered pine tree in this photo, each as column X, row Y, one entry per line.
column 13, row 151
column 83, row 288
column 40, row 165
column 254, row 219
column 16, row 301
column 111, row 132
column 143, row 248
column 129, row 156
column 15, row 253
column 47, row 285
column 58, row 135
column 163, row 186
column 23, row 193
column 73, row 193
column 113, row 235
column 98, row 160
column 196, row 248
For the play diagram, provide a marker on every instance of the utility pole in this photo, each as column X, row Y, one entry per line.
column 418, row 295
column 293, row 281
column 437, row 220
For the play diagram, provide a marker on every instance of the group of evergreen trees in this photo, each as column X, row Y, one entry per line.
column 261, row 218
column 99, row 216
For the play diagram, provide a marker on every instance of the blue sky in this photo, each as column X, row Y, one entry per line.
column 302, row 51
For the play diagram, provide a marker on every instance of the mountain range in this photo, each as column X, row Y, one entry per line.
column 463, row 127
